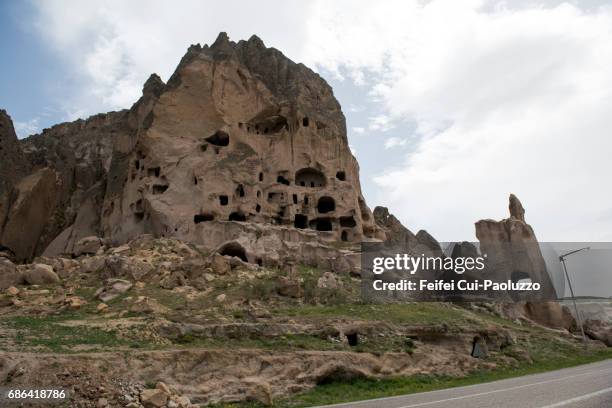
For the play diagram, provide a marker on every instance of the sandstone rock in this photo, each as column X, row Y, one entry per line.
column 550, row 314
column 516, row 208
column 513, row 251
column 74, row 302
column 163, row 387
column 33, row 203
column 221, row 298
column 112, row 289
column 88, row 245
column 341, row 265
column 9, row 274
column 183, row 402
column 102, row 403
column 395, row 233
column 13, row 166
column 220, row 264
column 289, row 287
column 329, row 281
column 598, row 330
column 12, row 291
column 40, row 274
column 102, row 307
column 263, row 140
column 260, row 391
column 153, row 398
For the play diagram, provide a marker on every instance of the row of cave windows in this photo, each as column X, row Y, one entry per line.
column 272, row 125
column 300, row 221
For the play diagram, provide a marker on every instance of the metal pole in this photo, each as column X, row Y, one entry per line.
column 578, row 319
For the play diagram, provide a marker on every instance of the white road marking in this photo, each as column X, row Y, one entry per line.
column 353, row 403
column 422, row 404
column 578, row 399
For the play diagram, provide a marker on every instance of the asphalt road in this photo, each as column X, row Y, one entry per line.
column 586, row 386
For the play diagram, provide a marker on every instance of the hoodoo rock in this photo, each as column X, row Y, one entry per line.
column 513, row 250
column 513, row 254
column 240, row 135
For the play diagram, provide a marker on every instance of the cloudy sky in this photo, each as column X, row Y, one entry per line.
column 451, row 105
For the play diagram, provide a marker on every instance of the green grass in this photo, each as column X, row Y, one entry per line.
column 48, row 334
column 363, row 388
column 415, row 313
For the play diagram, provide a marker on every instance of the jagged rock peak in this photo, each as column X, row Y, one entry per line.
column 239, row 135
column 153, row 86
column 517, row 211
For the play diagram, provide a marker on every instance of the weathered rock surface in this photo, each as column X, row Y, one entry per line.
column 239, row 134
column 513, row 250
column 513, row 254
column 13, row 164
column 599, row 330
column 398, row 236
column 40, row 274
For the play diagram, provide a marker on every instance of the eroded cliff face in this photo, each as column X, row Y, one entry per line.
column 239, row 133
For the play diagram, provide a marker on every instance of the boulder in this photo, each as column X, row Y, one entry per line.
column 220, row 264
column 153, row 398
column 40, row 274
column 112, row 289
column 329, row 281
column 9, row 274
column 88, row 245
column 260, row 391
column 289, row 287
column 598, row 330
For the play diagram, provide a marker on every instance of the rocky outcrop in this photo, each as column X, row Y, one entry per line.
column 513, row 251
column 239, row 134
column 513, row 254
column 398, row 236
column 33, row 204
column 13, row 166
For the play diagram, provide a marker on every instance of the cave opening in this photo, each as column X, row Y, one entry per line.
column 348, row 221
column 237, row 216
column 219, row 138
column 282, row 180
column 341, row 176
column 321, row 224
column 300, row 221
column 234, row 249
column 310, row 177
column 240, row 190
column 326, row 204
column 203, row 217
column 223, row 199
column 159, row 189
column 344, row 236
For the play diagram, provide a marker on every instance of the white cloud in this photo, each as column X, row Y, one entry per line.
column 500, row 97
column 358, row 130
column 395, row 142
column 380, row 123
column 30, row 127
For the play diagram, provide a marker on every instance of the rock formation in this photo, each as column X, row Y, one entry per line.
column 513, row 250
column 398, row 236
column 513, row 254
column 240, row 135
